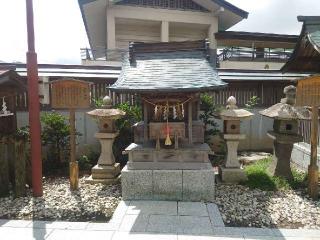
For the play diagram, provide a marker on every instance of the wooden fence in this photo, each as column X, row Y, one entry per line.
column 268, row 94
column 305, row 130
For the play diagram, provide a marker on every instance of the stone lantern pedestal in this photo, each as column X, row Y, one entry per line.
column 106, row 171
column 282, row 145
column 231, row 171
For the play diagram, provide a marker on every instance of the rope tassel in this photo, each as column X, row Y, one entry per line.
column 168, row 142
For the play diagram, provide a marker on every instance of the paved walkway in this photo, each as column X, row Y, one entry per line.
column 163, row 220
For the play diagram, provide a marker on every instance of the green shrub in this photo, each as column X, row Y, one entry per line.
column 259, row 177
column 253, row 101
column 86, row 162
column 124, row 126
column 56, row 137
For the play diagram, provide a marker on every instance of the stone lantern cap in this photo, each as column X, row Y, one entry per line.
column 232, row 112
column 106, row 114
column 285, row 110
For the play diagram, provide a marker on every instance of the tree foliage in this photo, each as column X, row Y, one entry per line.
column 207, row 116
column 124, row 126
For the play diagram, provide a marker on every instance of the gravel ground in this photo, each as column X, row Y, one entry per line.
column 241, row 206
column 92, row 202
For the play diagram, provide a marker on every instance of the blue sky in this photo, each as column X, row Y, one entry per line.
column 60, row 32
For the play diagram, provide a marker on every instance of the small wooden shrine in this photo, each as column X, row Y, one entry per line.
column 169, row 78
column 10, row 86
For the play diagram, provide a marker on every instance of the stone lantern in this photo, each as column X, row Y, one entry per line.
column 231, row 116
column 107, row 170
column 285, row 131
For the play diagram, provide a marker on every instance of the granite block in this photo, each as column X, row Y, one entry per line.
column 198, row 185
column 127, row 184
column 167, row 184
column 143, row 184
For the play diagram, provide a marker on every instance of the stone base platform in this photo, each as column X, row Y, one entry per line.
column 178, row 185
column 106, row 174
column 103, row 181
column 232, row 175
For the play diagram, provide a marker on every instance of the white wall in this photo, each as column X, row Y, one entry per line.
column 255, row 129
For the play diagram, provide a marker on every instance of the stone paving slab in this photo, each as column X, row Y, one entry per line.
column 192, row 209
column 280, row 238
column 192, row 237
column 59, row 225
column 163, row 220
column 120, row 212
column 296, row 232
column 215, row 216
column 179, row 224
column 134, row 223
column 163, row 224
column 80, row 235
column 14, row 223
column 244, row 232
column 152, row 207
column 103, row 226
column 195, row 225
column 143, row 236
column 23, row 233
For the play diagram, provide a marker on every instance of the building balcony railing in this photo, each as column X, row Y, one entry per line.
column 249, row 54
column 102, row 54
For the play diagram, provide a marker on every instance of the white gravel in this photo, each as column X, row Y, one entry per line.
column 241, row 206
column 92, row 202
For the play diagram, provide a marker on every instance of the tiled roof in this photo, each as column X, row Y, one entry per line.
column 73, row 71
column 306, row 55
column 172, row 71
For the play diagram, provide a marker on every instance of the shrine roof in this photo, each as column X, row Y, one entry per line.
column 9, row 79
column 168, row 67
column 306, row 55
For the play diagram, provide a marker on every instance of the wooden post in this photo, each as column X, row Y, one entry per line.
column 190, row 122
column 145, row 122
column 34, row 106
column 20, row 157
column 74, row 169
column 4, row 169
column 313, row 169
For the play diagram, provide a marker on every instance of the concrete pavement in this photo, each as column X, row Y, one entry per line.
column 163, row 220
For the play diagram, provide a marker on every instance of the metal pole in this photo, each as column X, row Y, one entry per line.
column 313, row 169
column 34, row 106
